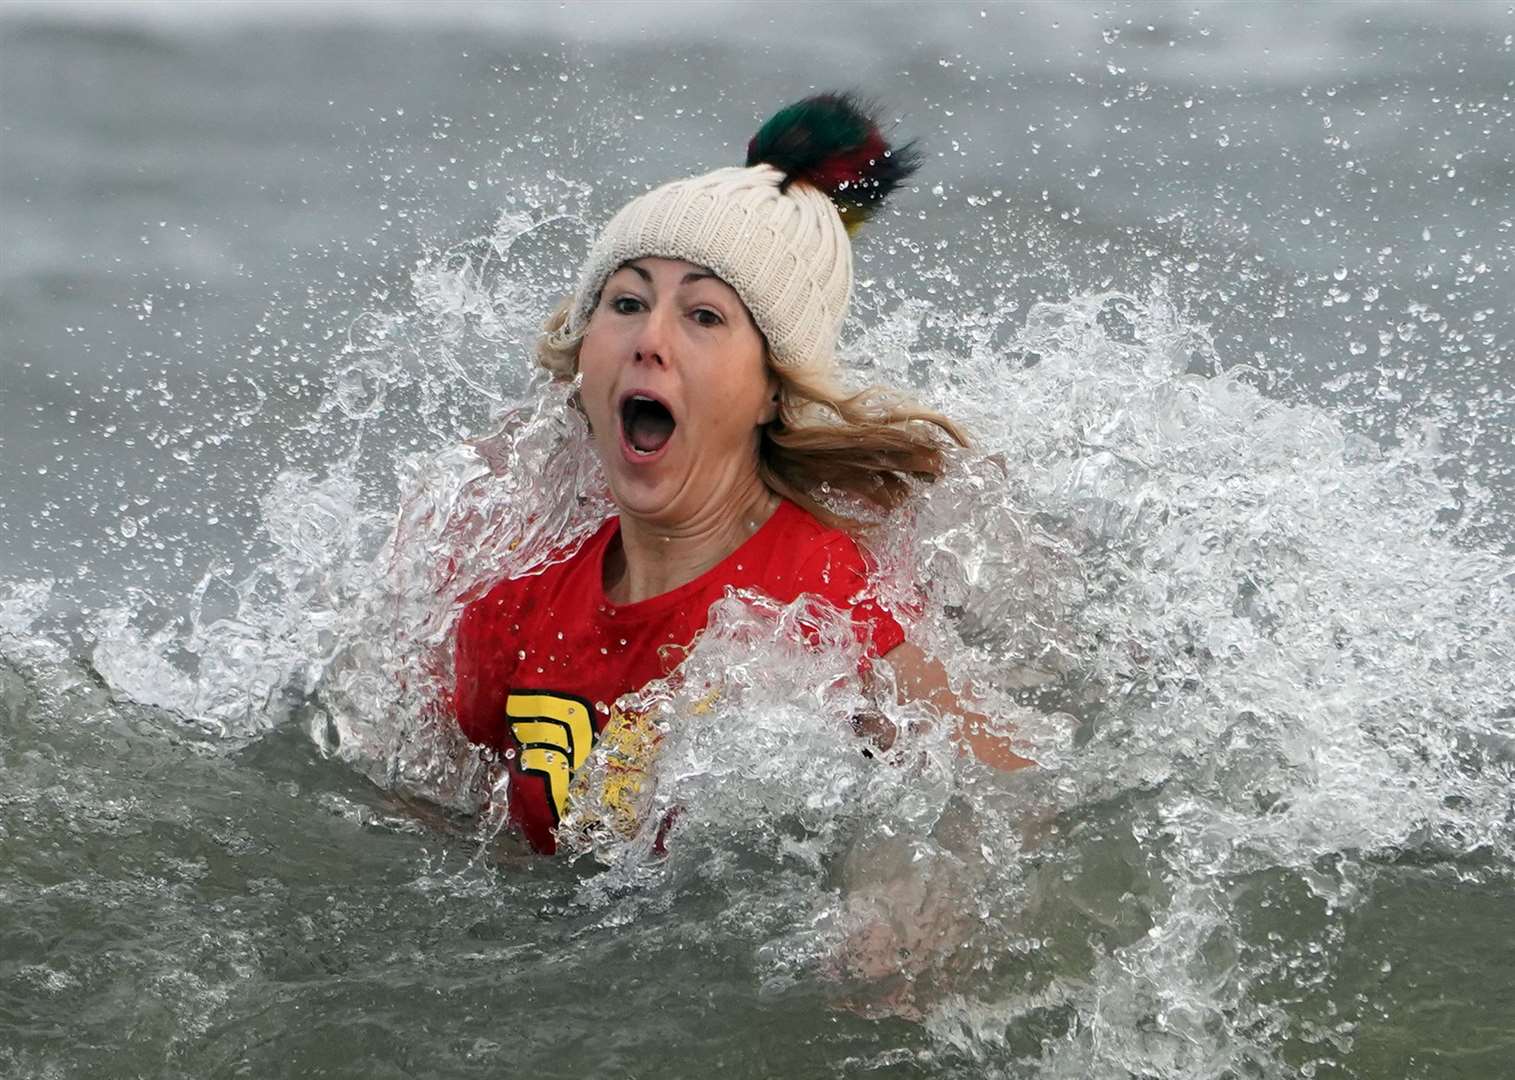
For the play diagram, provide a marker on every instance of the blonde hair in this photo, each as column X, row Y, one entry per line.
column 866, row 446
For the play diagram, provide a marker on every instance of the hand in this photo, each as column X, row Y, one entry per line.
column 876, row 728
column 905, row 939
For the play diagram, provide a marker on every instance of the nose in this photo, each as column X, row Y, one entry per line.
column 652, row 344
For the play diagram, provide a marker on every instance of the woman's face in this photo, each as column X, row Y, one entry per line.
column 676, row 387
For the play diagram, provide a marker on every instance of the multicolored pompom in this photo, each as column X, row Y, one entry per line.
column 833, row 142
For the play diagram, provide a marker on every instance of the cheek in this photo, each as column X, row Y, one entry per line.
column 598, row 351
column 732, row 402
column 594, row 373
column 591, row 348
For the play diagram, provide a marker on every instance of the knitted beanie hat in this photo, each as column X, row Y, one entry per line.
column 777, row 231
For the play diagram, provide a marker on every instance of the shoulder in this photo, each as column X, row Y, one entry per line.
column 829, row 562
column 797, row 553
column 836, row 568
column 508, row 597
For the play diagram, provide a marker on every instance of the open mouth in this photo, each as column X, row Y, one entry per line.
column 647, row 423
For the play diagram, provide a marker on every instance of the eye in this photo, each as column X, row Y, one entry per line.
column 627, row 305
column 707, row 317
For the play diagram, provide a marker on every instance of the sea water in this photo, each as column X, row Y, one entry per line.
column 1223, row 303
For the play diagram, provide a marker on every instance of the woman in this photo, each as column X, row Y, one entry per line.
column 703, row 331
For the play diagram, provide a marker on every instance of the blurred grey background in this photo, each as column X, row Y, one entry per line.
column 198, row 199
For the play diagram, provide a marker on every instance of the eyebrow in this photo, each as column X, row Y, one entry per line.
column 693, row 275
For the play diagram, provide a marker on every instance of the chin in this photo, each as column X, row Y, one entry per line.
column 641, row 496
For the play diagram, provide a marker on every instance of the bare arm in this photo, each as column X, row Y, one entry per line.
column 920, row 677
column 909, row 915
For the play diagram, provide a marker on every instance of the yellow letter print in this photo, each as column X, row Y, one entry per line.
column 555, row 734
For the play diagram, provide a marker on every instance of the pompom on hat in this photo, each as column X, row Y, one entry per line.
column 776, row 230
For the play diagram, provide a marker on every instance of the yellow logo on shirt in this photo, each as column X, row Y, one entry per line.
column 625, row 788
column 556, row 735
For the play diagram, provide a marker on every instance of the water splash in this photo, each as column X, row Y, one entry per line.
column 1247, row 651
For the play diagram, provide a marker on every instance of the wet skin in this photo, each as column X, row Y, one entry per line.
column 673, row 332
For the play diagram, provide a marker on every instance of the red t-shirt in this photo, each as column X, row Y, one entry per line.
column 542, row 658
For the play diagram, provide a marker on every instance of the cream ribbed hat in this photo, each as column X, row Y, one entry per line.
column 772, row 230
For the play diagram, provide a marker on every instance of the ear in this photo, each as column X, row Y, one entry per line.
column 770, row 411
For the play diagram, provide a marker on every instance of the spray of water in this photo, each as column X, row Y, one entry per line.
column 1252, row 662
